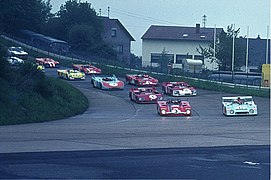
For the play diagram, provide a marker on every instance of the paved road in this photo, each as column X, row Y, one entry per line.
column 223, row 163
column 114, row 123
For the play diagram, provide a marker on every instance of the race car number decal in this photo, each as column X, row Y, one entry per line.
column 176, row 111
column 152, row 96
column 113, row 84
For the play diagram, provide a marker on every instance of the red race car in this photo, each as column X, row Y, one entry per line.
column 141, row 80
column 47, row 62
column 173, row 107
column 87, row 68
column 145, row 95
column 178, row 89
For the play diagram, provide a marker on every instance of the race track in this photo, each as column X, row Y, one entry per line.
column 114, row 122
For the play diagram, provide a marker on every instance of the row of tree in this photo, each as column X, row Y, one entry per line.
column 76, row 22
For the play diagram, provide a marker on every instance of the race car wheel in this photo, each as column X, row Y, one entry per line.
column 158, row 110
column 163, row 90
column 188, row 112
column 47, row 65
column 100, row 85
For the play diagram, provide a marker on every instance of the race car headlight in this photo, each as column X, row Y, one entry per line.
column 231, row 111
column 251, row 111
column 188, row 111
column 140, row 99
column 163, row 111
column 161, row 98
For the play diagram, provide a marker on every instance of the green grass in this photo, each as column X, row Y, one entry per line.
column 18, row 107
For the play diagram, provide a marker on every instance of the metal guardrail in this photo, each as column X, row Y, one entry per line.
column 231, row 85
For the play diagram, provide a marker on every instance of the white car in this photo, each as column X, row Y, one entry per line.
column 17, row 52
column 241, row 105
column 15, row 60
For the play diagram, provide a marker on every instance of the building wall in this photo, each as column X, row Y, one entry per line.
column 173, row 47
column 120, row 40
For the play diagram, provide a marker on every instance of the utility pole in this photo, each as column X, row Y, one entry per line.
column 247, row 50
column 232, row 61
column 204, row 19
column 267, row 46
column 108, row 9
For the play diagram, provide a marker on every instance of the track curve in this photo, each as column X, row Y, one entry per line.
column 114, row 122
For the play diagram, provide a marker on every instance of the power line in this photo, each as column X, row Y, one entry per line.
column 138, row 16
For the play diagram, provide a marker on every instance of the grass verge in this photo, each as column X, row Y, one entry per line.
column 19, row 107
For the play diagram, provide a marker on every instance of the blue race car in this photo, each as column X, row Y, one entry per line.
column 106, row 82
column 241, row 105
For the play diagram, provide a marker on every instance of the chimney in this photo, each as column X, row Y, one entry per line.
column 197, row 28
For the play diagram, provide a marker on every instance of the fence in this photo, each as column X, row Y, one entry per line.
column 117, row 65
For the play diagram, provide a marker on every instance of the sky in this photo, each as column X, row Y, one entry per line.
column 138, row 15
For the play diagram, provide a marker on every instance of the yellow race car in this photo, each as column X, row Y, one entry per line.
column 70, row 74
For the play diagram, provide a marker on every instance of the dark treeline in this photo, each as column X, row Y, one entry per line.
column 76, row 23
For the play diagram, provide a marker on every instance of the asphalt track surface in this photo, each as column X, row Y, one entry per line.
column 114, row 123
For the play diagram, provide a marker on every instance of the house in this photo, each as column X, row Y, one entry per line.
column 178, row 42
column 116, row 35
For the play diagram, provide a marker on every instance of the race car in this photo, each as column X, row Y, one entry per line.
column 106, row 82
column 141, row 80
column 47, row 62
column 40, row 67
column 87, row 68
column 70, row 74
column 178, row 89
column 15, row 61
column 17, row 52
column 145, row 95
column 173, row 107
column 241, row 105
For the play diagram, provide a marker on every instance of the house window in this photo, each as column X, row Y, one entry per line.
column 199, row 57
column 114, row 32
column 155, row 58
column 180, row 57
column 120, row 49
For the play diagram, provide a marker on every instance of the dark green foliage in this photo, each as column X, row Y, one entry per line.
column 77, row 23
column 164, row 61
column 23, row 14
column 27, row 95
column 224, row 50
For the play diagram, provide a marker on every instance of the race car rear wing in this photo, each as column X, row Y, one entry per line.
column 230, row 99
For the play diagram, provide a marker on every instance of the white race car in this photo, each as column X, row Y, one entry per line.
column 15, row 61
column 242, row 105
column 17, row 52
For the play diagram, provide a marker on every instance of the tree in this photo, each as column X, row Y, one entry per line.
column 164, row 61
column 78, row 24
column 27, row 14
column 223, row 52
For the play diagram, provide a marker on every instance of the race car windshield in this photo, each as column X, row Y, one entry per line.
column 17, row 49
column 107, row 79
